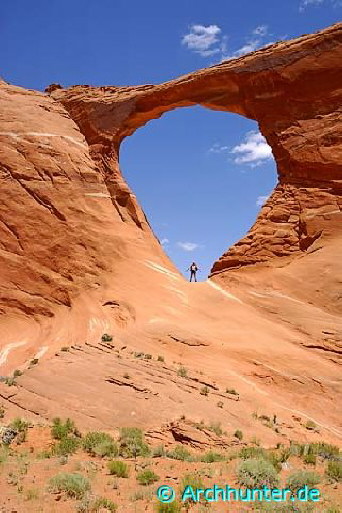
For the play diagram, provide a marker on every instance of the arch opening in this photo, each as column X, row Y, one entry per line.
column 201, row 177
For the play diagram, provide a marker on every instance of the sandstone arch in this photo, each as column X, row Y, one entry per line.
column 71, row 231
column 61, row 151
column 292, row 89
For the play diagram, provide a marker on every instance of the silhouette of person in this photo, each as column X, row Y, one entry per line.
column 193, row 270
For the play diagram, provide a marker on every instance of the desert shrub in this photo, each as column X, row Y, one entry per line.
column 161, row 358
column 148, row 356
column 334, row 470
column 273, row 458
column 74, row 485
column 106, row 338
column 255, row 473
column 204, row 390
column 106, row 449
column 91, row 504
column 216, row 428
column 21, row 426
column 182, row 372
column 4, row 453
column 219, row 404
column 31, row 494
column 301, row 478
column 158, row 452
column 231, row 391
column 171, row 507
column 252, row 452
column 126, row 375
column 132, row 443
column 180, row 453
column 98, row 443
column 147, row 477
column 62, row 429
column 238, row 434
column 322, row 449
column 17, row 373
column 2, row 411
column 284, row 455
column 65, row 447
column 311, row 425
column 310, row 459
column 118, row 468
column 34, row 361
column 65, row 348
column 10, row 381
column 211, row 457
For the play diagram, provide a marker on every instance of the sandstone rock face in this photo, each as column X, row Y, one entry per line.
column 78, row 258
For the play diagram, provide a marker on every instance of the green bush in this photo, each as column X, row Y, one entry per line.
column 65, row 447
column 238, row 434
column 118, row 468
column 132, row 443
column 182, row 372
column 180, row 453
column 334, row 471
column 96, row 504
column 204, row 390
column 212, row 457
column 21, row 426
column 74, row 485
column 252, row 452
column 216, row 428
column 106, row 338
column 231, row 391
column 311, row 425
column 310, row 459
column 171, row 507
column 61, row 429
column 301, row 478
column 147, row 477
column 159, row 452
column 255, row 473
column 98, row 443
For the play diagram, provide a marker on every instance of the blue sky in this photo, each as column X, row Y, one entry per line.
column 200, row 175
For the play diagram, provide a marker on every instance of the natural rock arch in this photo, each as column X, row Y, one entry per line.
column 59, row 163
column 292, row 89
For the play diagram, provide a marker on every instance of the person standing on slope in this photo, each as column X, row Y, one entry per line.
column 193, row 270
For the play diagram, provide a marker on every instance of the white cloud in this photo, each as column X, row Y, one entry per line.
column 261, row 200
column 209, row 40
column 260, row 30
column 202, row 39
column 188, row 246
column 164, row 241
column 311, row 3
column 218, row 148
column 253, row 151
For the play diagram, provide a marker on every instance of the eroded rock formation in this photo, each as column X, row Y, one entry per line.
column 60, row 151
column 78, row 259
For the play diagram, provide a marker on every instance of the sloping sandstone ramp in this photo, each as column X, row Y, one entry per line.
column 78, row 257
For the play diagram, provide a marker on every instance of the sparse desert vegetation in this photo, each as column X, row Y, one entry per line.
column 102, row 472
